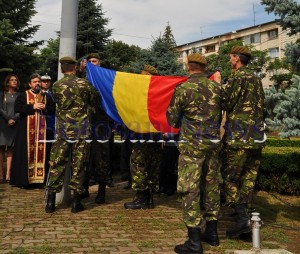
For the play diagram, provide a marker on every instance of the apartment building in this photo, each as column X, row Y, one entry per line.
column 267, row 36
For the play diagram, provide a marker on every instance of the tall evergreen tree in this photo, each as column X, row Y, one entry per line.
column 168, row 37
column 92, row 31
column 159, row 55
column 286, row 112
column 292, row 53
column 16, row 50
column 288, row 11
column 283, row 109
column 6, row 29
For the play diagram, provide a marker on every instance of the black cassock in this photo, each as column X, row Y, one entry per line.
column 19, row 167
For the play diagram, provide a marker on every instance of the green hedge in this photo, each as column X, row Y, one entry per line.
column 278, row 142
column 280, row 170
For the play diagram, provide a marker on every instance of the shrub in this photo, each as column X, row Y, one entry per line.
column 278, row 142
column 280, row 168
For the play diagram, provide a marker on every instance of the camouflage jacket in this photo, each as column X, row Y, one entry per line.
column 195, row 109
column 73, row 96
column 243, row 100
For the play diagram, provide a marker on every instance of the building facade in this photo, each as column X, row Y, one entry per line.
column 267, row 36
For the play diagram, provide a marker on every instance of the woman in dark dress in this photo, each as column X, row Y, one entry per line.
column 8, row 122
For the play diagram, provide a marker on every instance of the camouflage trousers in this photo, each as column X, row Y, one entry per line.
column 144, row 165
column 61, row 152
column 194, row 174
column 240, row 173
column 99, row 160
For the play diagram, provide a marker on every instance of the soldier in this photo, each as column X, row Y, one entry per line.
column 73, row 97
column 99, row 150
column 243, row 100
column 195, row 109
column 145, row 160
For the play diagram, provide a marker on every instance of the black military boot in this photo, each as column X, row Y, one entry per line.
column 85, row 184
column 242, row 219
column 50, row 206
column 76, row 204
column 143, row 200
column 192, row 245
column 85, row 194
column 100, row 198
column 210, row 234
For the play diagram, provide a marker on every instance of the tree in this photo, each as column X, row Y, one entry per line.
column 168, row 37
column 49, row 59
column 281, row 73
column 288, row 10
column 292, row 53
column 92, row 33
column 6, row 29
column 283, row 109
column 220, row 61
column 16, row 50
column 159, row 55
column 118, row 54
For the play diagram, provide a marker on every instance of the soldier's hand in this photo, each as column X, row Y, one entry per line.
column 82, row 65
column 217, row 77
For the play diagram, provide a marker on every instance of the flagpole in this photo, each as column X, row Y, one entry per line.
column 68, row 30
column 67, row 47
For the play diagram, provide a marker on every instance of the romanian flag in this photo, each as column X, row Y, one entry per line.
column 137, row 101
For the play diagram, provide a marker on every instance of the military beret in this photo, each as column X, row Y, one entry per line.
column 197, row 58
column 68, row 60
column 45, row 77
column 93, row 55
column 6, row 70
column 243, row 50
column 149, row 68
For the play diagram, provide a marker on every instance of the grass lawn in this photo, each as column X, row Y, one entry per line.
column 281, row 224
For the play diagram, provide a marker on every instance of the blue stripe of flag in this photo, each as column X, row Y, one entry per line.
column 103, row 80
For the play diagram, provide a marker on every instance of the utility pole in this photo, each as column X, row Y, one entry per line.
column 201, row 32
column 68, row 30
column 253, row 14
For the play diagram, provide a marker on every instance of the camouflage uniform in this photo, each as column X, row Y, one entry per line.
column 99, row 150
column 73, row 97
column 100, row 146
column 145, row 160
column 243, row 99
column 195, row 109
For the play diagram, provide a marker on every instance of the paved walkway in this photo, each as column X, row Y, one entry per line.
column 109, row 228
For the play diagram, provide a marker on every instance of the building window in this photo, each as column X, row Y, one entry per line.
column 273, row 34
column 253, row 38
column 198, row 50
column 210, row 48
column 274, row 53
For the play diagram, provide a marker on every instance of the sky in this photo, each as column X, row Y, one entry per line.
column 139, row 22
